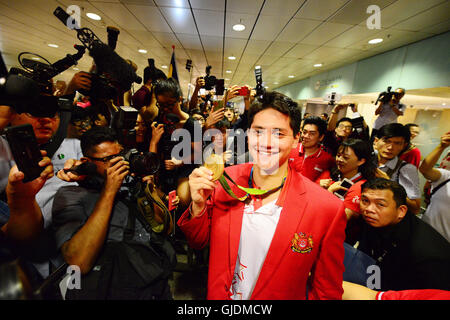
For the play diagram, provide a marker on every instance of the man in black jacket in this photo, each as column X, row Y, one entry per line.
column 410, row 253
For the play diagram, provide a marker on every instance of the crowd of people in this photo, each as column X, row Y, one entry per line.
column 299, row 197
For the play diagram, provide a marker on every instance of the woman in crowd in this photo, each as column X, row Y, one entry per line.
column 412, row 154
column 353, row 162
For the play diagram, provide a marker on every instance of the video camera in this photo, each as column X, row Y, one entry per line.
column 387, row 96
column 22, row 89
column 124, row 122
column 108, row 63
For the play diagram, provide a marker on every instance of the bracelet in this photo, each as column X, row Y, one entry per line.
column 197, row 216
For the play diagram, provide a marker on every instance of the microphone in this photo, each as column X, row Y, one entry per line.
column 86, row 168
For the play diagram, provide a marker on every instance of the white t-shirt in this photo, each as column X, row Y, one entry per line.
column 258, row 228
column 387, row 115
column 438, row 214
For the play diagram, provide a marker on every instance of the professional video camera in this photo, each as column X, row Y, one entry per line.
column 259, row 83
column 124, row 122
column 387, row 96
column 115, row 70
column 26, row 90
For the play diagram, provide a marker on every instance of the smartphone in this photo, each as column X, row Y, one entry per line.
column 172, row 196
column 24, row 147
column 218, row 105
column 346, row 183
column 243, row 91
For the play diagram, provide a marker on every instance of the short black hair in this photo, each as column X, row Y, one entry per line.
column 279, row 102
column 318, row 122
column 362, row 150
column 409, row 125
column 394, row 130
column 223, row 124
column 79, row 113
column 95, row 136
column 168, row 86
column 398, row 191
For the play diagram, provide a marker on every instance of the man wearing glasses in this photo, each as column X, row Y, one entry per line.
column 92, row 222
column 337, row 131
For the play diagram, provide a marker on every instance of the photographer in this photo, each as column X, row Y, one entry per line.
column 96, row 224
column 43, row 116
column 199, row 83
column 389, row 111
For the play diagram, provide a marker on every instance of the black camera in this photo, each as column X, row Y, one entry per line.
column 210, row 81
column 142, row 164
column 124, row 122
column 259, row 83
column 387, row 96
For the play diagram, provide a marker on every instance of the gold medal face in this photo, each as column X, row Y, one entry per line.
column 215, row 163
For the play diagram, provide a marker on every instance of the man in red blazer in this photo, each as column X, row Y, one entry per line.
column 276, row 245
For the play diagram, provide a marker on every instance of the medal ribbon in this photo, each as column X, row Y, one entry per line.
column 249, row 191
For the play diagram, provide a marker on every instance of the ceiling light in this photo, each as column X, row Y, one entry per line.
column 2, row 81
column 226, row 79
column 228, row 71
column 443, row 104
column 374, row 41
column 239, row 27
column 142, row 51
column 164, row 67
column 275, row 83
column 93, row 16
column 36, row 58
column 318, row 65
column 257, row 67
column 291, row 76
column 232, row 58
column 53, row 45
column 266, row 87
column 75, row 68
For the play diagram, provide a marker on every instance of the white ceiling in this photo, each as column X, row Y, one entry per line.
column 284, row 37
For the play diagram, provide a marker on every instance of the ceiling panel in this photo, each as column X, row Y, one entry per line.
column 234, row 18
column 320, row 9
column 215, row 5
column 282, row 9
column 250, row 7
column 300, row 50
column 180, row 20
column 356, row 11
column 297, row 29
column 279, row 48
column 324, row 33
column 209, row 23
column 351, row 36
column 150, row 17
column 268, row 27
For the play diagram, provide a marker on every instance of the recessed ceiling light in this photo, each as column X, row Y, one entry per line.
column 275, row 83
column 374, row 41
column 228, row 71
column 75, row 68
column 239, row 27
column 257, row 67
column 142, row 51
column 318, row 65
column 226, row 79
column 164, row 67
column 266, row 87
column 93, row 16
column 443, row 104
column 232, row 58
column 53, row 45
column 36, row 58
column 291, row 76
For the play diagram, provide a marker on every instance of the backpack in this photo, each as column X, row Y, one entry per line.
column 400, row 164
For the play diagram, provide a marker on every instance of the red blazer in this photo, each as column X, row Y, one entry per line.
column 307, row 209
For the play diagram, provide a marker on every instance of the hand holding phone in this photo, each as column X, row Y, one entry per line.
column 24, row 147
column 346, row 183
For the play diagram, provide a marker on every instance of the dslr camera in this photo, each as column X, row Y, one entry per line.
column 142, row 164
column 210, row 81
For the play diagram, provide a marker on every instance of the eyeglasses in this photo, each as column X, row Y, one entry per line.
column 107, row 158
column 166, row 105
column 341, row 126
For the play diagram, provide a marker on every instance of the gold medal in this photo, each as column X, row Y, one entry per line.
column 215, row 163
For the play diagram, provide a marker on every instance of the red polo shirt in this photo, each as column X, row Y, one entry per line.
column 315, row 167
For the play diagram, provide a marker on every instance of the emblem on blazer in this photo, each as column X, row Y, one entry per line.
column 302, row 243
